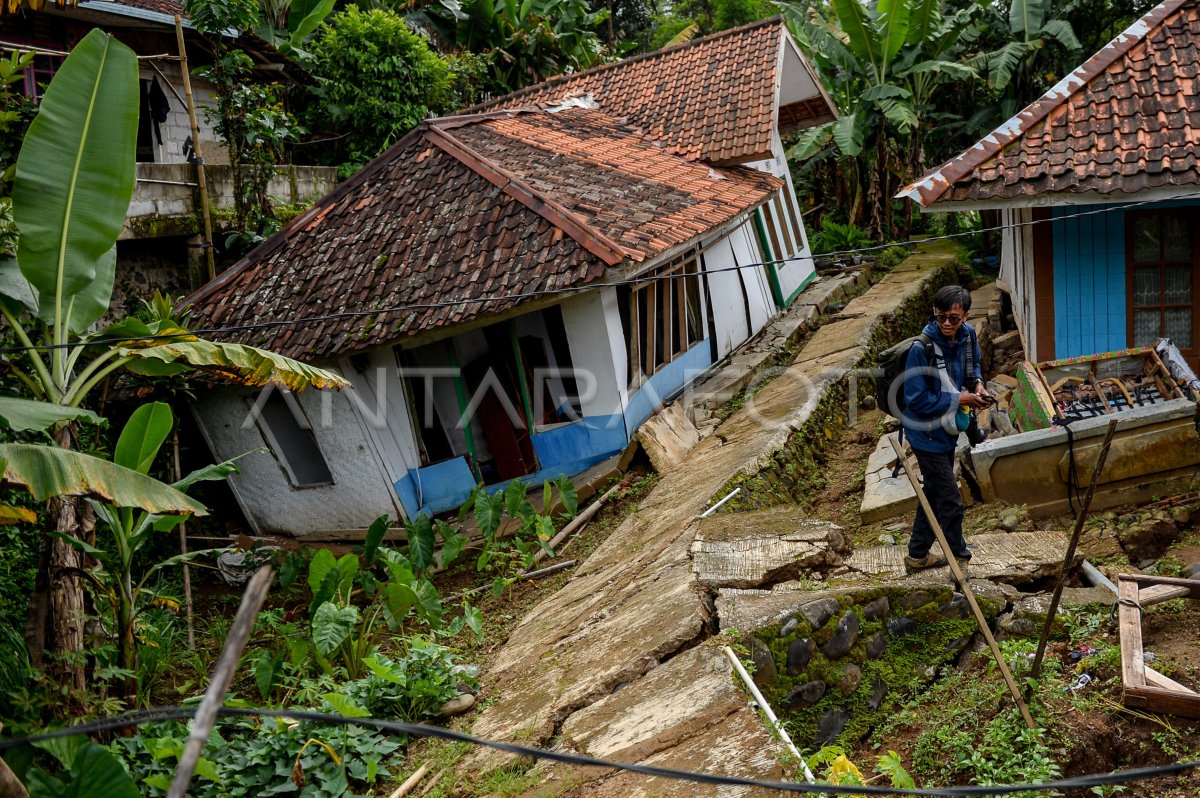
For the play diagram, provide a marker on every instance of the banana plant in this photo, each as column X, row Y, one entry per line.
column 132, row 528
column 73, row 183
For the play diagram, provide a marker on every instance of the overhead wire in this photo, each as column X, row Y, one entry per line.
column 163, row 714
column 565, row 290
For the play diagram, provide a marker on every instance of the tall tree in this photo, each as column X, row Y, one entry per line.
column 885, row 64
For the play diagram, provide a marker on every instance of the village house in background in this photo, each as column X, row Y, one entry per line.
column 1098, row 189
column 666, row 169
column 1097, row 186
column 160, row 244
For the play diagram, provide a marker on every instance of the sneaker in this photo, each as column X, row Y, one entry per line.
column 930, row 560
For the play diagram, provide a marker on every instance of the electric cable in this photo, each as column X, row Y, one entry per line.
column 566, row 290
column 143, row 717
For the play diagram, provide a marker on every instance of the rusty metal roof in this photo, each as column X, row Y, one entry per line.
column 465, row 209
column 711, row 99
column 1127, row 119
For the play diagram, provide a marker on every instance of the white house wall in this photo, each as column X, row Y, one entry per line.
column 361, row 491
column 177, row 129
column 597, row 345
column 727, row 294
column 1017, row 272
column 798, row 270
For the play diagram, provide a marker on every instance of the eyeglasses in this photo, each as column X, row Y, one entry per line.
column 947, row 318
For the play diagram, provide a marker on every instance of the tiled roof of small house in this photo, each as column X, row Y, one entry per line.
column 710, row 99
column 168, row 7
column 467, row 209
column 1127, row 119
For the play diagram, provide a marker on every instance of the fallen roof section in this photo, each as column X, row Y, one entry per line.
column 464, row 218
column 717, row 98
column 1124, row 121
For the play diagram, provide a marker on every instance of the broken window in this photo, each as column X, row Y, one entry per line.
column 1162, row 262
column 288, row 433
column 664, row 317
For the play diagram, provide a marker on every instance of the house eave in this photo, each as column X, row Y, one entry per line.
column 1144, row 196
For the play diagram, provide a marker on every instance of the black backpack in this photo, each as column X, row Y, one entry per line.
column 889, row 391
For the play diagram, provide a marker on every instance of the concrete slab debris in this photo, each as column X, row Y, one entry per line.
column 752, row 549
column 667, row 437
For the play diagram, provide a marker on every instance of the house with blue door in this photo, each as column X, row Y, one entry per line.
column 512, row 291
column 1098, row 185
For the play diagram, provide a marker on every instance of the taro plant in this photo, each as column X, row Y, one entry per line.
column 73, row 183
column 505, row 555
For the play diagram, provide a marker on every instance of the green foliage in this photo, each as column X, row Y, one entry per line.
column 252, row 759
column 94, row 773
column 376, row 81
column 411, row 689
column 834, row 237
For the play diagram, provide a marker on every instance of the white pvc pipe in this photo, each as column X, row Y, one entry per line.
column 766, row 708
column 713, row 509
column 1094, row 576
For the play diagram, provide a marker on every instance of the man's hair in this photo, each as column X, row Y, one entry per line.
column 950, row 295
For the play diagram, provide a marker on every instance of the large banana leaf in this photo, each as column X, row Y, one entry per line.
column 47, row 471
column 26, row 415
column 16, row 295
column 1061, row 31
column 1025, row 17
column 74, row 179
column 856, row 24
column 241, row 364
column 893, row 29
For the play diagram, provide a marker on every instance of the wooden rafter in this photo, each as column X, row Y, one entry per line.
column 1144, row 687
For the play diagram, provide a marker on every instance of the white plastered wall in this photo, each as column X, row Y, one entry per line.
column 593, row 323
column 362, row 489
column 736, row 293
column 1017, row 273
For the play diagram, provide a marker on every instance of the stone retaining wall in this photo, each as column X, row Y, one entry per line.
column 841, row 657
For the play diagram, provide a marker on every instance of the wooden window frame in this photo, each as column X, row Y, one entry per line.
column 677, row 296
column 1192, row 217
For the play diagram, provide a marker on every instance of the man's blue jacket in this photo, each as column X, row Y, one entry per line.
column 930, row 405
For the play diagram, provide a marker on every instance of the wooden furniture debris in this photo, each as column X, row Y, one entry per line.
column 1143, row 687
column 1094, row 385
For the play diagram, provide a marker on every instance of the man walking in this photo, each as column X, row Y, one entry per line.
column 937, row 396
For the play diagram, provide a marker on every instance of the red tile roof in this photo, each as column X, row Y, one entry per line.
column 470, row 208
column 1128, row 119
column 168, row 7
column 710, row 99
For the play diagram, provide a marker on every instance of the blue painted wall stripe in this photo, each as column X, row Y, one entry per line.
column 1090, row 303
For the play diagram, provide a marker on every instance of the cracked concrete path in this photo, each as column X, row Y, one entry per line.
column 635, row 604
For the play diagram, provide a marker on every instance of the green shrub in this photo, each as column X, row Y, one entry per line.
column 834, row 237
column 377, row 80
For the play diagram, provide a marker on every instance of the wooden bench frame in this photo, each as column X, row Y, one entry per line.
column 1143, row 687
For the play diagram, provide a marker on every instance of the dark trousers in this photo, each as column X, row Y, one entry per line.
column 941, row 488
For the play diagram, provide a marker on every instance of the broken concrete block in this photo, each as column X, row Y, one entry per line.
column 755, row 548
column 667, row 437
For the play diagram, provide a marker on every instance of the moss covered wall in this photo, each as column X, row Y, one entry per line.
column 794, row 473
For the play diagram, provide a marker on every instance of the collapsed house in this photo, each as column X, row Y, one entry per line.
column 513, row 291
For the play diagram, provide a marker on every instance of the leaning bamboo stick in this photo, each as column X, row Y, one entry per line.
column 183, row 549
column 412, row 781
column 1069, row 558
column 962, row 583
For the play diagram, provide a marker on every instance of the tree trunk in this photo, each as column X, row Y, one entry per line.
column 65, row 620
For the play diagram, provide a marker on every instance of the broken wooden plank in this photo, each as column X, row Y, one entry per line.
column 1156, row 679
column 1156, row 699
column 1133, row 668
column 1157, row 594
column 1193, row 585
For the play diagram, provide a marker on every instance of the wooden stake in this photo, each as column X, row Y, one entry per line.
column 407, row 787
column 198, row 157
column 183, row 549
column 1068, row 559
column 214, row 696
column 962, row 583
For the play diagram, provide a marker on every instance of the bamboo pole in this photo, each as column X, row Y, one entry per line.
column 214, row 696
column 198, row 157
column 183, row 549
column 1036, row 670
column 412, row 781
column 576, row 523
column 962, row 583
